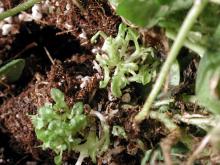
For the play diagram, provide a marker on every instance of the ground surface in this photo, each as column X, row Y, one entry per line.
column 65, row 33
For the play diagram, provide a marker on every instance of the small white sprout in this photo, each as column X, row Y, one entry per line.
column 97, row 67
column 96, row 50
column 6, row 29
column 85, row 81
column 83, row 35
column 68, row 26
column 25, row 17
column 68, row 6
column 8, row 20
column 36, row 12
column 2, row 9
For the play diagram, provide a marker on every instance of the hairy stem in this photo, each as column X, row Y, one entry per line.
column 185, row 28
column 18, row 9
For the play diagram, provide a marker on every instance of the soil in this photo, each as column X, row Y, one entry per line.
column 59, row 32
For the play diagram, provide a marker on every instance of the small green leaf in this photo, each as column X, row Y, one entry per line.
column 90, row 147
column 58, row 159
column 207, row 82
column 104, row 83
column 174, row 75
column 143, row 76
column 119, row 131
column 77, row 109
column 12, row 71
column 118, row 83
column 58, row 97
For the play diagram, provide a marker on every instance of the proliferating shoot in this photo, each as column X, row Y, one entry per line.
column 59, row 127
column 123, row 63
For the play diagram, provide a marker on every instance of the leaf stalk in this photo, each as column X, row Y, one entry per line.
column 190, row 19
column 18, row 9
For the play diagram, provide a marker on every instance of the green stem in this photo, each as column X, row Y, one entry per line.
column 163, row 118
column 204, row 122
column 18, row 9
column 200, row 50
column 185, row 28
column 99, row 33
column 163, row 102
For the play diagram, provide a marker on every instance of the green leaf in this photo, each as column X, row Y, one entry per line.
column 58, row 159
column 58, row 97
column 104, row 83
column 119, row 131
column 174, row 75
column 121, row 58
column 207, row 82
column 142, row 77
column 12, row 71
column 208, row 76
column 152, row 11
column 90, row 147
column 118, row 83
column 130, row 9
column 77, row 109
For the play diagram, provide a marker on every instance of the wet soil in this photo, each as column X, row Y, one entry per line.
column 59, row 33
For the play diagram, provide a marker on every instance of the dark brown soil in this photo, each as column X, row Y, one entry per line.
column 59, row 32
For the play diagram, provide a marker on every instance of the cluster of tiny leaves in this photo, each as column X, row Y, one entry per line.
column 57, row 125
column 205, row 33
column 123, row 63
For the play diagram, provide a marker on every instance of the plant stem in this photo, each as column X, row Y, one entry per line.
column 163, row 118
column 80, row 159
column 185, row 28
column 200, row 50
column 18, row 9
column 204, row 122
column 163, row 102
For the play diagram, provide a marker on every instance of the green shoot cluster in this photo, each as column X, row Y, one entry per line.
column 59, row 126
column 123, row 63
